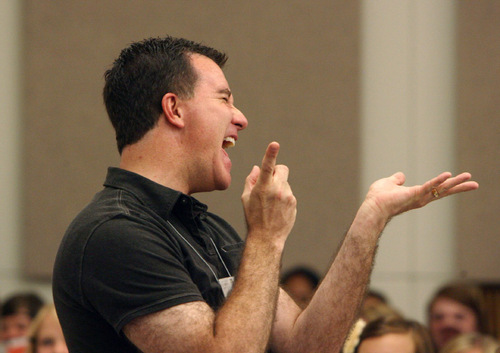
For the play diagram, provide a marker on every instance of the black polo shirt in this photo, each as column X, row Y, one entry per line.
column 137, row 248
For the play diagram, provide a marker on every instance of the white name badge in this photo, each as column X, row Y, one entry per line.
column 226, row 284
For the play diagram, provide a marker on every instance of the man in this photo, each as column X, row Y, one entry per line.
column 453, row 310
column 146, row 267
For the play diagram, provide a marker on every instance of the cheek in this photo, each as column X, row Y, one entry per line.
column 470, row 324
column 43, row 350
column 434, row 324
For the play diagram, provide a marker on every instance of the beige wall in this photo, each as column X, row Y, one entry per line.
column 294, row 76
column 408, row 125
column 478, row 138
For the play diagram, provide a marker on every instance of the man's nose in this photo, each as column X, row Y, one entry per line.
column 239, row 119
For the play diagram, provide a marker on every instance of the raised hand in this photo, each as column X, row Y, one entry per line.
column 390, row 197
column 268, row 201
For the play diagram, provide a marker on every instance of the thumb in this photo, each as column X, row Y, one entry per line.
column 251, row 180
column 399, row 178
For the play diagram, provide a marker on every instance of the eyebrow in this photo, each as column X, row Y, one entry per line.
column 225, row 91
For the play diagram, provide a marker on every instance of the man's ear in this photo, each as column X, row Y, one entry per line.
column 170, row 104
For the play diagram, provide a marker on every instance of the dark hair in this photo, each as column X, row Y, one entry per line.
column 383, row 326
column 28, row 303
column 303, row 271
column 378, row 295
column 142, row 74
column 466, row 294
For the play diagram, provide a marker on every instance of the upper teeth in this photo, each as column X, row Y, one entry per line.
column 229, row 142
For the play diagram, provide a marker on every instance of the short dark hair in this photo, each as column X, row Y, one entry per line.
column 302, row 271
column 378, row 295
column 142, row 74
column 383, row 326
column 27, row 303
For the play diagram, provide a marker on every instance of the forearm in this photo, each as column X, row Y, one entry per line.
column 244, row 322
column 325, row 323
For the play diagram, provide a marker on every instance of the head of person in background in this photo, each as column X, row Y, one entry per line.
column 382, row 310
column 16, row 315
column 300, row 283
column 394, row 335
column 455, row 309
column 45, row 333
column 374, row 298
column 471, row 343
column 375, row 308
column 375, row 305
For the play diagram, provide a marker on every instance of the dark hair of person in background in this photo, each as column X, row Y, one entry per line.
column 377, row 295
column 27, row 303
column 383, row 326
column 141, row 75
column 304, row 271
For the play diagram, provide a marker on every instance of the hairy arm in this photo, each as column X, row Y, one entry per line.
column 325, row 323
column 243, row 324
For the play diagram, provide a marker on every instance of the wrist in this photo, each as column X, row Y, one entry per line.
column 371, row 216
column 265, row 240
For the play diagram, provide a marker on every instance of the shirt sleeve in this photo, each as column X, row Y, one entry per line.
column 132, row 268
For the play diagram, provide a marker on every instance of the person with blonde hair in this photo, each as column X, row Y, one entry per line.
column 472, row 343
column 46, row 334
column 394, row 335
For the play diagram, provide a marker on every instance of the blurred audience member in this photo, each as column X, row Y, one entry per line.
column 353, row 338
column 45, row 333
column 455, row 309
column 471, row 343
column 300, row 283
column 375, row 310
column 381, row 310
column 374, row 298
column 16, row 315
column 387, row 335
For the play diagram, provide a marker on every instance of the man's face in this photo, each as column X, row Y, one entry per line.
column 14, row 326
column 448, row 318
column 212, row 125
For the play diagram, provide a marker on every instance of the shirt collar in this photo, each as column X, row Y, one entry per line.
column 161, row 199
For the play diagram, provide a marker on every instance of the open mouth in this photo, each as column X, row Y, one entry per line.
column 228, row 142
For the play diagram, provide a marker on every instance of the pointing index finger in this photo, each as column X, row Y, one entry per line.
column 269, row 162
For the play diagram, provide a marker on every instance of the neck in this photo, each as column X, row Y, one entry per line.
column 152, row 158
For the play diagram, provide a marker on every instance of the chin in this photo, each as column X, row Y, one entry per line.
column 223, row 183
column 223, row 186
